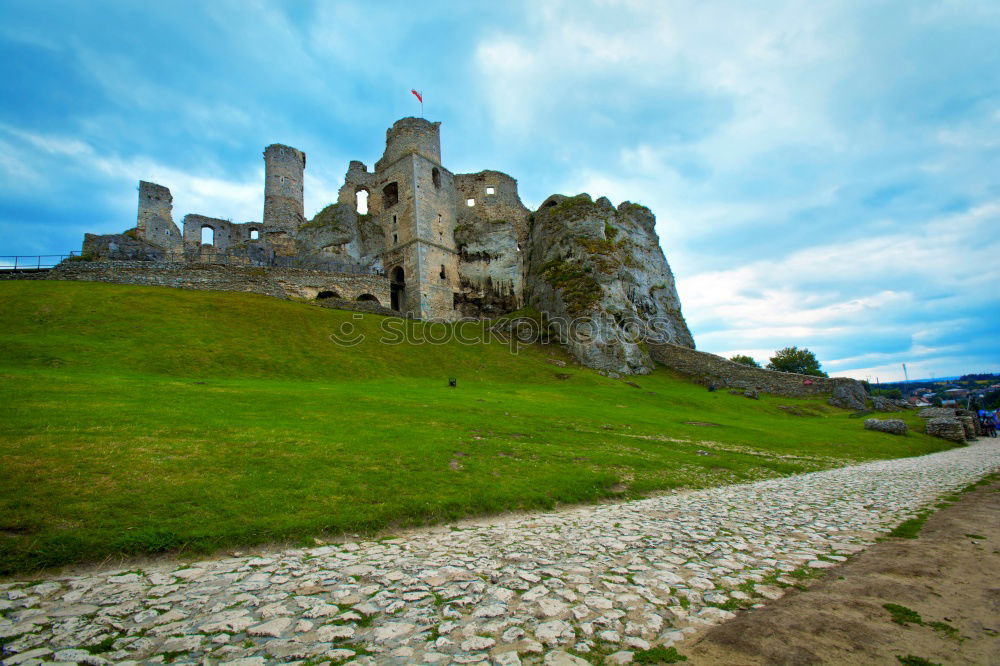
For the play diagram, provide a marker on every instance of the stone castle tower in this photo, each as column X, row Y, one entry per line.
column 283, row 170
column 417, row 213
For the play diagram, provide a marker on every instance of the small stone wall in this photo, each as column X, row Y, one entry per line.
column 270, row 281
column 712, row 369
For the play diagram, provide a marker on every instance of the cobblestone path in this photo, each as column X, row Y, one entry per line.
column 612, row 578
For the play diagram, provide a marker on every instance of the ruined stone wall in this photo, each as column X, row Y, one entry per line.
column 283, row 177
column 226, row 235
column 277, row 282
column 154, row 220
column 490, row 237
column 723, row 373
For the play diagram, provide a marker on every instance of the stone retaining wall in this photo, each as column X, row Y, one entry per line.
column 270, row 281
column 712, row 369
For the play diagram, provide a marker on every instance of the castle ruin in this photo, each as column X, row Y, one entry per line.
column 431, row 245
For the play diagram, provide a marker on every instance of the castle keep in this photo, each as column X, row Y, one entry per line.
column 411, row 237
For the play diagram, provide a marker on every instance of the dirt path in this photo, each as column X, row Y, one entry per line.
column 945, row 575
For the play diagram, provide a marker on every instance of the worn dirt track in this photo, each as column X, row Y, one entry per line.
column 945, row 575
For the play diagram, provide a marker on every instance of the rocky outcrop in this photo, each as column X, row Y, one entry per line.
column 949, row 428
column 892, row 426
column 848, row 395
column 598, row 273
column 490, row 268
column 328, row 233
column 883, row 404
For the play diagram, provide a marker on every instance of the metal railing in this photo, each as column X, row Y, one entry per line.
column 30, row 263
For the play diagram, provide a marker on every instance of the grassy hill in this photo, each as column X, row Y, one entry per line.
column 143, row 419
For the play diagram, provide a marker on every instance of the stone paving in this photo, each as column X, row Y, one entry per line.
column 609, row 580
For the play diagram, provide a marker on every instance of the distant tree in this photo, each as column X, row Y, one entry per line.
column 743, row 359
column 888, row 393
column 793, row 359
column 935, row 400
column 867, row 385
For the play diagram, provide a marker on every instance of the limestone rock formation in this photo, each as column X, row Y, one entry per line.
column 848, row 395
column 949, row 428
column 892, row 426
column 121, row 247
column 883, row 404
column 329, row 232
column 599, row 274
column 490, row 270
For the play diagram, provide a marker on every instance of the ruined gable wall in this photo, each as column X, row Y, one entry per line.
column 225, row 234
column 154, row 220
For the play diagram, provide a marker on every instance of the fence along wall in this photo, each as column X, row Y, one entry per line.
column 270, row 281
column 711, row 369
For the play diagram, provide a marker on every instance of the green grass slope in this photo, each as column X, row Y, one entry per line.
column 142, row 419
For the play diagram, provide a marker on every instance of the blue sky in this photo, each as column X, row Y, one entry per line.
column 824, row 174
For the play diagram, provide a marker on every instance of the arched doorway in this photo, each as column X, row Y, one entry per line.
column 368, row 297
column 323, row 295
column 397, row 286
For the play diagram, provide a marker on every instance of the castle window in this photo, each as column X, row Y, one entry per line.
column 393, row 220
column 470, row 202
column 254, row 234
column 491, row 190
column 390, row 195
column 395, row 239
column 361, row 201
column 442, row 274
column 207, row 235
column 436, row 177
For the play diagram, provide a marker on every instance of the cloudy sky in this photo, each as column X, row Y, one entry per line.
column 824, row 174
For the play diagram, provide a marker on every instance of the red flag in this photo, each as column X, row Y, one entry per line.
column 418, row 96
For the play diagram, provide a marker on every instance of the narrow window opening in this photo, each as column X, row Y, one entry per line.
column 361, row 201
column 395, row 239
column 491, row 190
column 390, row 195
column 436, row 177
column 393, row 220
column 442, row 273
column 254, row 234
column 207, row 235
column 470, row 202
